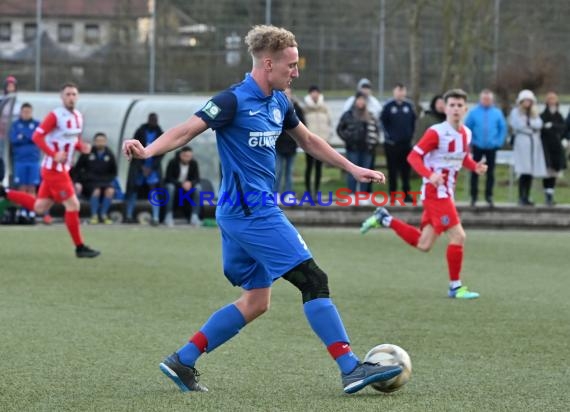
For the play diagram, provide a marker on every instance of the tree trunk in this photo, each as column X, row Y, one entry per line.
column 415, row 45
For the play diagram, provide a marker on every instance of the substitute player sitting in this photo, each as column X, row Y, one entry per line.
column 58, row 136
column 438, row 157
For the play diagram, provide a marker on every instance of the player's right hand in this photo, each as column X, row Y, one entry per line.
column 133, row 148
column 60, row 157
column 436, row 179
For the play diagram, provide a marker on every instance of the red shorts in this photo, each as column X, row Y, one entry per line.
column 440, row 213
column 56, row 186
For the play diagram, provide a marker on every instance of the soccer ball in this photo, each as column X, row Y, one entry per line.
column 388, row 354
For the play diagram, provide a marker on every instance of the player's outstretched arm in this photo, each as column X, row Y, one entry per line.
column 173, row 138
column 320, row 149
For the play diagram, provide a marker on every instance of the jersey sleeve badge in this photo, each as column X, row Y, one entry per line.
column 211, row 109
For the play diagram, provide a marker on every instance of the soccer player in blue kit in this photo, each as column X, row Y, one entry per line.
column 259, row 244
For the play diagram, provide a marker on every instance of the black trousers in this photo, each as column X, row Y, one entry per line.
column 310, row 160
column 397, row 162
column 490, row 156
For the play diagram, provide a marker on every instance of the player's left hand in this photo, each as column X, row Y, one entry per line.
column 85, row 148
column 367, row 176
column 481, row 168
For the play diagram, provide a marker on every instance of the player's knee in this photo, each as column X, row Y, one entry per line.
column 310, row 280
column 109, row 192
column 458, row 237
column 72, row 205
column 424, row 247
column 255, row 306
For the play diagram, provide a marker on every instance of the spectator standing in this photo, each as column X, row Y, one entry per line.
column 398, row 121
column 319, row 121
column 96, row 172
column 553, row 131
column 434, row 115
column 183, row 173
column 489, row 129
column 359, row 129
column 286, row 151
column 372, row 103
column 147, row 171
column 529, row 162
column 26, row 156
column 10, row 86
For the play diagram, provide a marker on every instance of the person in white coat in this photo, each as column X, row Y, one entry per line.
column 529, row 162
column 319, row 121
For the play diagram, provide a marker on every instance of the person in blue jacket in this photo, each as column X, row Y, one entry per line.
column 489, row 129
column 25, row 154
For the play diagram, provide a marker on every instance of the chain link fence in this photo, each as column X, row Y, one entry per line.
column 199, row 44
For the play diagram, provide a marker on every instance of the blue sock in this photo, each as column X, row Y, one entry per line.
column 223, row 325
column 327, row 324
column 105, row 205
column 188, row 354
column 94, row 205
column 155, row 212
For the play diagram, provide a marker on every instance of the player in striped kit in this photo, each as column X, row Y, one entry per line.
column 438, row 157
column 58, row 136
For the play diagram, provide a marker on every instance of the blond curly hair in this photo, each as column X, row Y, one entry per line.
column 268, row 38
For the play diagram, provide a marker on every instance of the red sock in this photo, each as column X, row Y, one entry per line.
column 200, row 341
column 72, row 223
column 454, row 261
column 409, row 233
column 338, row 349
column 21, row 198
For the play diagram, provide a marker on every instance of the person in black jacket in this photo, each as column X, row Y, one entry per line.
column 143, row 172
column 553, row 131
column 94, row 174
column 398, row 121
column 286, row 150
column 360, row 132
column 183, row 175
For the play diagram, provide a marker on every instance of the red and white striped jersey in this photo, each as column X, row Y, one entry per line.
column 444, row 150
column 61, row 130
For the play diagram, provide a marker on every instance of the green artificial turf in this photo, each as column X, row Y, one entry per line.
column 88, row 335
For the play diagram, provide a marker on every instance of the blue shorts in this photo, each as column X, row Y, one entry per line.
column 151, row 179
column 256, row 251
column 26, row 173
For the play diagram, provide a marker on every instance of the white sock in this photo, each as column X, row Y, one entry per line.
column 387, row 221
column 454, row 284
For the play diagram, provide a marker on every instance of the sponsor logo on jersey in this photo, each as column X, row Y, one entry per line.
column 263, row 139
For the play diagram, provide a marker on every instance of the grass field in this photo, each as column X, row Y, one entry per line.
column 87, row 335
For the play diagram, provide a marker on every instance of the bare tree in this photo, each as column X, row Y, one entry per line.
column 414, row 12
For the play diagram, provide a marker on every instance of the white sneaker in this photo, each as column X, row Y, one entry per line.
column 195, row 220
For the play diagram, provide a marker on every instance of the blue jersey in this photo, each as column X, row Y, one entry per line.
column 23, row 148
column 247, row 124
